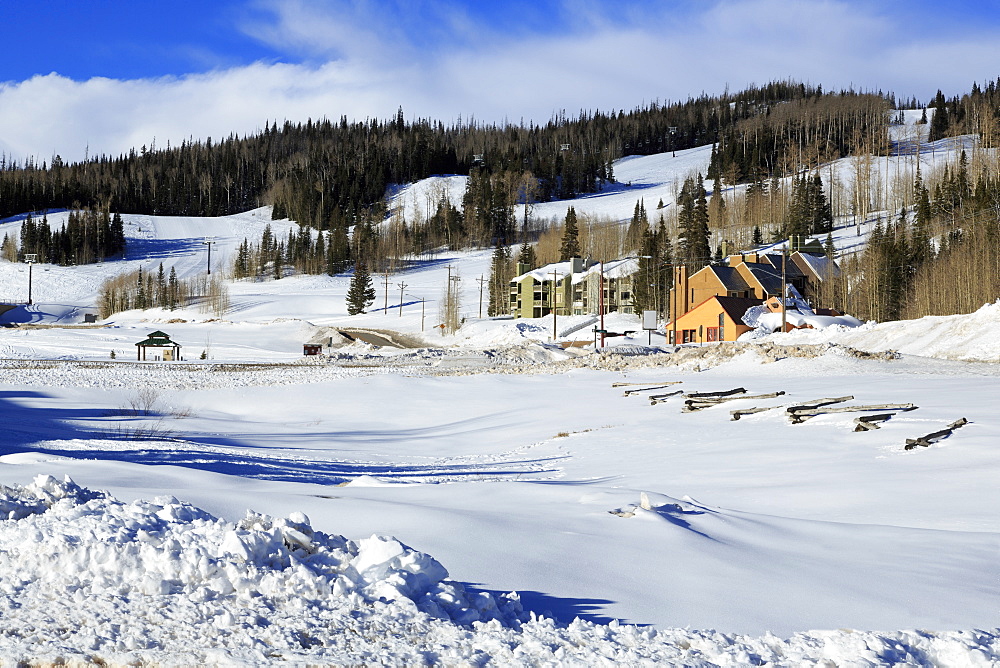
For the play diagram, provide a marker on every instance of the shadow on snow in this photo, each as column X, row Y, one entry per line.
column 150, row 440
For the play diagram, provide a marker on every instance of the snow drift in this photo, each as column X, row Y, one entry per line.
column 85, row 578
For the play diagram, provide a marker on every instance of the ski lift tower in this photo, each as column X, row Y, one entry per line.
column 30, row 258
column 673, row 131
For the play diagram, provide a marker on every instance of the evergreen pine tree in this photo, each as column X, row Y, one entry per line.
column 500, row 275
column 638, row 227
column 571, row 237
column 829, row 250
column 693, row 223
column 821, row 214
column 141, row 301
column 172, row 290
column 361, row 293
column 643, row 285
column 161, row 288
column 526, row 255
column 941, row 121
column 338, row 253
column 117, row 244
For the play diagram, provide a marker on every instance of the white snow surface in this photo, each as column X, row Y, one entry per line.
column 94, row 579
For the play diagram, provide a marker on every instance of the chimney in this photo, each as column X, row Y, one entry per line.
column 683, row 301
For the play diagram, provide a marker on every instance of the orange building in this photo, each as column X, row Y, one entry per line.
column 715, row 319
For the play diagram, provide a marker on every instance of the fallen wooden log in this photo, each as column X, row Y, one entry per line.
column 724, row 393
column 802, row 415
column 817, row 403
column 636, row 390
column 661, row 398
column 869, row 422
column 692, row 405
column 926, row 441
column 737, row 414
column 652, row 382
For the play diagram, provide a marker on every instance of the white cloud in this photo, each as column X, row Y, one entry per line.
column 369, row 69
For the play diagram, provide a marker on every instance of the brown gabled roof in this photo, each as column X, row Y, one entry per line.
column 730, row 278
column 735, row 307
column 776, row 260
column 767, row 276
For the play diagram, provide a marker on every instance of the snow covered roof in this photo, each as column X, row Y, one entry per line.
column 542, row 274
column 613, row 269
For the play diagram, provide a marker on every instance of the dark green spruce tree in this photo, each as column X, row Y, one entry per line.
column 571, row 237
column 361, row 292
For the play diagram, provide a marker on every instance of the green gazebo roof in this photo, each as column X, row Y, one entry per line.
column 158, row 338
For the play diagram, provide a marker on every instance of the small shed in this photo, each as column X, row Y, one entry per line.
column 158, row 347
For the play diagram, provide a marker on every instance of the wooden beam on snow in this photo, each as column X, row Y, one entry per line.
column 926, row 441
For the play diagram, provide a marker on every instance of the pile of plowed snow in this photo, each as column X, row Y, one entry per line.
column 85, row 578
column 968, row 337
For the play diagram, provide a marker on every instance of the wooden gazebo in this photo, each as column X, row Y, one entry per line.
column 159, row 346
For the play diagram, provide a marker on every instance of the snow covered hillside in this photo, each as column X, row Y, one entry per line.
column 397, row 496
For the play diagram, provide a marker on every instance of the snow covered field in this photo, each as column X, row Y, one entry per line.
column 499, row 464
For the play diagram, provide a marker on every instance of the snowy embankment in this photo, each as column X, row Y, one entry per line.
column 966, row 337
column 99, row 580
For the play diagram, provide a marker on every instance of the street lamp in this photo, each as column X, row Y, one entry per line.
column 30, row 258
column 208, row 242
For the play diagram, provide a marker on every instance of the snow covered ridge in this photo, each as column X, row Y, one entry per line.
column 85, row 578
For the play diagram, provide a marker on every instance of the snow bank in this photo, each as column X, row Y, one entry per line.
column 141, row 569
column 771, row 322
column 85, row 578
column 968, row 337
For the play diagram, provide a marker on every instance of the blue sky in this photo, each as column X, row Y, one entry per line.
column 102, row 76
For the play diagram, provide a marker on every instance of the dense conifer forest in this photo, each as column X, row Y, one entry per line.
column 333, row 175
column 324, row 172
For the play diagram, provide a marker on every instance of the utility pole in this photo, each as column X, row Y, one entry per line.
column 481, row 280
column 673, row 305
column 30, row 258
column 402, row 286
column 451, row 305
column 784, row 287
column 385, row 306
column 555, row 332
column 208, row 242
column 600, row 301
